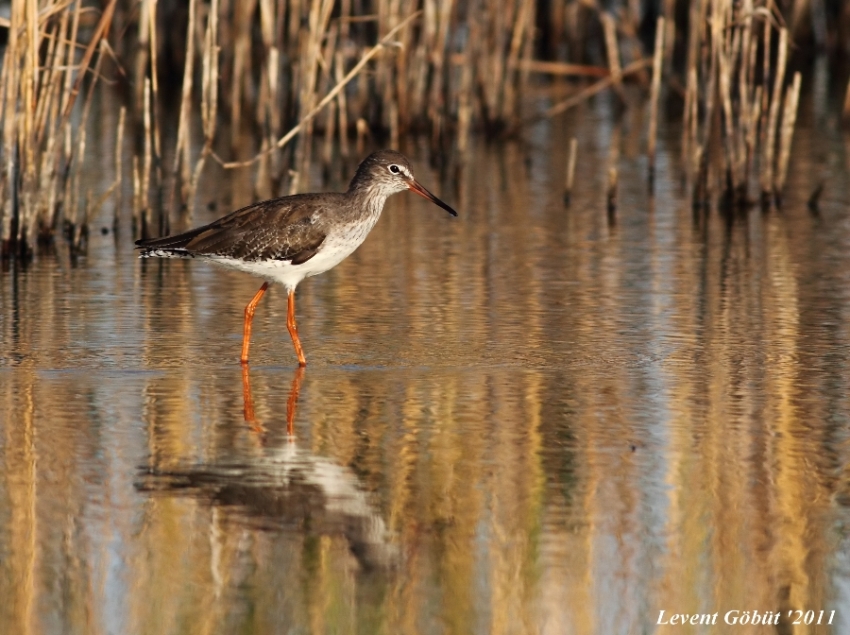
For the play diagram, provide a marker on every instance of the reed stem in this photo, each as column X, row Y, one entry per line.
column 789, row 118
column 571, row 171
column 657, row 61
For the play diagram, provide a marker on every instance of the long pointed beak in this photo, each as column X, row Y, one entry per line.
column 414, row 186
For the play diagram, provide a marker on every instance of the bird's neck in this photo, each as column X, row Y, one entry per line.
column 367, row 201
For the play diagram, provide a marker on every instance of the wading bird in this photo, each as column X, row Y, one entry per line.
column 294, row 237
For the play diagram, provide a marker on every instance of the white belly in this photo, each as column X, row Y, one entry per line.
column 336, row 248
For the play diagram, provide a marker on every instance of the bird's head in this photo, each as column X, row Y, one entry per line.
column 387, row 172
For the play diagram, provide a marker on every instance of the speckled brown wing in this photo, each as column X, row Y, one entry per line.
column 277, row 229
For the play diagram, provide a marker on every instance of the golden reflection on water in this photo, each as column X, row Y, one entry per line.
column 523, row 421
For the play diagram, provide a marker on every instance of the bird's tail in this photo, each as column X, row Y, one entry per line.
column 167, row 246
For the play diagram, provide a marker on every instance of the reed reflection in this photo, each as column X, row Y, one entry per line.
column 557, row 427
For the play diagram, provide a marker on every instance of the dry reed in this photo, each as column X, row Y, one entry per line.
column 180, row 172
column 613, row 175
column 292, row 69
column 767, row 164
column 146, row 164
column 789, row 118
column 731, row 114
column 571, row 170
column 209, row 96
column 308, row 117
column 612, row 50
column 42, row 76
column 586, row 93
column 118, row 184
column 657, row 60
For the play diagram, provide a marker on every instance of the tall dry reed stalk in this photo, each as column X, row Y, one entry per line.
column 657, row 62
column 572, row 156
column 209, row 96
column 612, row 50
column 44, row 64
column 181, row 175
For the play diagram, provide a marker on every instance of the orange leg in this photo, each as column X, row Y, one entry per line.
column 248, row 401
column 249, row 317
column 293, row 330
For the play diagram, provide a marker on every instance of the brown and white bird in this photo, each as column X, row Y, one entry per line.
column 294, row 237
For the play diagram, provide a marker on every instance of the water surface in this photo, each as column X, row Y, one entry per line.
column 528, row 419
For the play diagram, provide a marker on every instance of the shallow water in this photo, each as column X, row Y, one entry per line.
column 523, row 420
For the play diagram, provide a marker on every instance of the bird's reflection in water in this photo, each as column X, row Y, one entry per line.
column 285, row 489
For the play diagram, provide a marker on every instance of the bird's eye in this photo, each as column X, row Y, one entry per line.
column 394, row 169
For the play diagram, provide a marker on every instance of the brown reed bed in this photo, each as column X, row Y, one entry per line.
column 281, row 72
column 740, row 110
column 44, row 64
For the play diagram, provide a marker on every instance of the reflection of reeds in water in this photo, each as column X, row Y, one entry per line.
column 524, row 458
